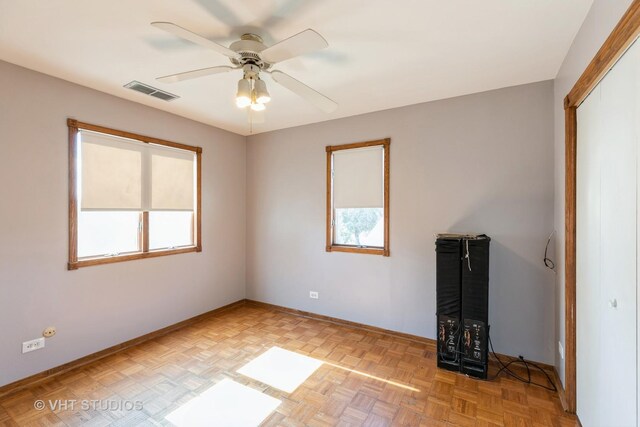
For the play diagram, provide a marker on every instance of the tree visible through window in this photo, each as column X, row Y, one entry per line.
column 359, row 227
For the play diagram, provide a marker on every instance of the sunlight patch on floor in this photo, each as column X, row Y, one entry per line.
column 226, row 404
column 373, row 377
column 280, row 368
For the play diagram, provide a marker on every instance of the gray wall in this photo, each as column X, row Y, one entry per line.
column 602, row 18
column 96, row 307
column 478, row 163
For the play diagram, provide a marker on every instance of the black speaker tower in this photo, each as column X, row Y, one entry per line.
column 449, row 300
column 462, row 288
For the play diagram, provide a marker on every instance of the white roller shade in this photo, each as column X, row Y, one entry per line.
column 172, row 179
column 124, row 174
column 111, row 172
column 358, row 178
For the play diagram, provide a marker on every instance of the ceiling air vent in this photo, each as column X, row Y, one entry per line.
column 151, row 91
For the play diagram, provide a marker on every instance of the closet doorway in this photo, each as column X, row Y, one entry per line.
column 601, row 232
column 608, row 124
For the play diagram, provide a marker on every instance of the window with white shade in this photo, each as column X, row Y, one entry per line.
column 131, row 196
column 358, row 197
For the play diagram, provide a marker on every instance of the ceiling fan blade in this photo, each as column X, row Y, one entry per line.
column 221, row 12
column 287, row 11
column 178, row 31
column 304, row 42
column 188, row 75
column 316, row 98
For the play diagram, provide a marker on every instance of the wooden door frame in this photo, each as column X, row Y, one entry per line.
column 623, row 35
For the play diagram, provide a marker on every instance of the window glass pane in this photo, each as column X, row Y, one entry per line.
column 107, row 232
column 359, row 227
column 170, row 229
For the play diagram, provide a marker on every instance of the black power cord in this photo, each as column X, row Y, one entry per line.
column 547, row 261
column 505, row 368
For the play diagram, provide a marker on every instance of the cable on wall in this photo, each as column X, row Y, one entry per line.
column 548, row 262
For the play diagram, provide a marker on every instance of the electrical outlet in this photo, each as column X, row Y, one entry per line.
column 32, row 345
column 314, row 295
column 560, row 350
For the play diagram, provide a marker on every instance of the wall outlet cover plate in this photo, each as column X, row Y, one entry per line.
column 32, row 345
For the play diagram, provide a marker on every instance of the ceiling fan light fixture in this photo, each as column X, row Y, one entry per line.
column 258, row 107
column 242, row 102
column 243, row 96
column 262, row 94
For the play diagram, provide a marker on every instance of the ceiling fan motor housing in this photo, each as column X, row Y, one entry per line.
column 249, row 47
column 251, row 71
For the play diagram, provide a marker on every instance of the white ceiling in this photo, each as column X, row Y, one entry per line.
column 382, row 53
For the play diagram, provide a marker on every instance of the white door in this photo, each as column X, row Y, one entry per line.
column 588, row 313
column 607, row 255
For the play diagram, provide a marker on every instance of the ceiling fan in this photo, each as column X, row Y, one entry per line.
column 253, row 57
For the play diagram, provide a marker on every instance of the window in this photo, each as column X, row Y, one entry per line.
column 358, row 197
column 130, row 196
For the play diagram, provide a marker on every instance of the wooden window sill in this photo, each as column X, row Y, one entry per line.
column 358, row 250
column 87, row 262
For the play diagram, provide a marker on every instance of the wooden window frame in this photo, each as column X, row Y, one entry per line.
column 75, row 263
column 623, row 35
column 331, row 247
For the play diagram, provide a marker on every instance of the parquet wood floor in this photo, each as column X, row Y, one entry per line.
column 368, row 379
